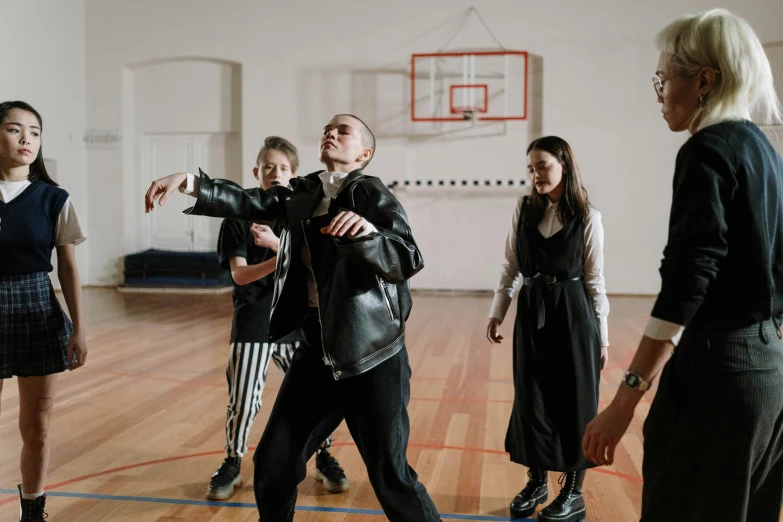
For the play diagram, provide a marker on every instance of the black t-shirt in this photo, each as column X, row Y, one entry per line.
column 253, row 301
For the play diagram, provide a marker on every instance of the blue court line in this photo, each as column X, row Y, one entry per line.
column 323, row 509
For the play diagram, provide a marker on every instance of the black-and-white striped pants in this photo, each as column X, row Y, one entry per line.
column 246, row 374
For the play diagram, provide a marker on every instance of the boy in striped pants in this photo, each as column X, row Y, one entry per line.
column 250, row 251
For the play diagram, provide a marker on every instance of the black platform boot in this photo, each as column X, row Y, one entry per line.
column 569, row 506
column 534, row 493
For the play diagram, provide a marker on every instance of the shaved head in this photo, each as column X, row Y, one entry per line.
column 368, row 138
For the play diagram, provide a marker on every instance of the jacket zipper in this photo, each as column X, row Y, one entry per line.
column 326, row 359
column 386, row 297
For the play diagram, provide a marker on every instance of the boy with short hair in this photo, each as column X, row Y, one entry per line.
column 249, row 250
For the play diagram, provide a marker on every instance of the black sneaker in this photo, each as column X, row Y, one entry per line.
column 225, row 479
column 31, row 510
column 329, row 471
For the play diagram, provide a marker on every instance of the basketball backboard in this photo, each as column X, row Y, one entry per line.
column 469, row 85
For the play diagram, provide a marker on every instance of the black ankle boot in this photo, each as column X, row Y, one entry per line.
column 534, row 493
column 31, row 510
column 569, row 506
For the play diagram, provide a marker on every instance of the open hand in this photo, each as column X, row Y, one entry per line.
column 346, row 222
column 604, row 356
column 604, row 432
column 161, row 188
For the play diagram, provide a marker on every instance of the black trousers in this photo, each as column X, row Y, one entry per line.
column 713, row 440
column 309, row 407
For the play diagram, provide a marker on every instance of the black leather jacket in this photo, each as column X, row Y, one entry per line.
column 363, row 292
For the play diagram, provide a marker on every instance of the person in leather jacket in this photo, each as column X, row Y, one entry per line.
column 345, row 257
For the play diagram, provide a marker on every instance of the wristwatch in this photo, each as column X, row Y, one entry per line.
column 635, row 381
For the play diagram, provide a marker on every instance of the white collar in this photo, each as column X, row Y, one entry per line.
column 332, row 182
column 335, row 178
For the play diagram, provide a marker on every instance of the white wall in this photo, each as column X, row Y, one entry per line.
column 157, row 112
column 598, row 58
column 775, row 54
column 43, row 64
column 162, row 107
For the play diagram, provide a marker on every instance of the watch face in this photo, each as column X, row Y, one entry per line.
column 632, row 380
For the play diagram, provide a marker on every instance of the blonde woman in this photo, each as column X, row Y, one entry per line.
column 713, row 440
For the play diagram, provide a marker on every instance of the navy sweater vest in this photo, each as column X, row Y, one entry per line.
column 27, row 229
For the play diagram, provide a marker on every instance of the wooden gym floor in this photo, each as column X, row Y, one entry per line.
column 138, row 431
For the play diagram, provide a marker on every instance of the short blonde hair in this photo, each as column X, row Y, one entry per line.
column 284, row 146
column 744, row 88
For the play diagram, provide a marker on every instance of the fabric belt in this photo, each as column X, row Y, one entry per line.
column 539, row 281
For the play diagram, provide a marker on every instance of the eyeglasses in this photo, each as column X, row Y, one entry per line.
column 658, row 86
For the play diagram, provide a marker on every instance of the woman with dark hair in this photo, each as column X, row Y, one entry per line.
column 37, row 339
column 555, row 248
column 713, row 439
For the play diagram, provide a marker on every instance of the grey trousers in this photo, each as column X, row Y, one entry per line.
column 713, row 440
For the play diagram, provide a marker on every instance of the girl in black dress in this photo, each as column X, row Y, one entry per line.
column 555, row 249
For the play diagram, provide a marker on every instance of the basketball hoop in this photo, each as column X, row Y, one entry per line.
column 469, row 86
column 467, row 114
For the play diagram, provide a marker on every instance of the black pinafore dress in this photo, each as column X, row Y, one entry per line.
column 557, row 352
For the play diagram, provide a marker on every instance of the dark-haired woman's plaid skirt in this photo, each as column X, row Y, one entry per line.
column 34, row 330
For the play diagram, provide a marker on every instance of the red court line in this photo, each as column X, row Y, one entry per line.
column 124, row 468
column 617, row 474
column 137, row 465
column 220, row 452
column 493, row 452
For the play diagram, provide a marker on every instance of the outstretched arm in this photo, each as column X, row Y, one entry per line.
column 220, row 197
column 160, row 189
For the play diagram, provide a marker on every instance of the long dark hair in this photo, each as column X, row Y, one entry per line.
column 37, row 167
column 574, row 203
